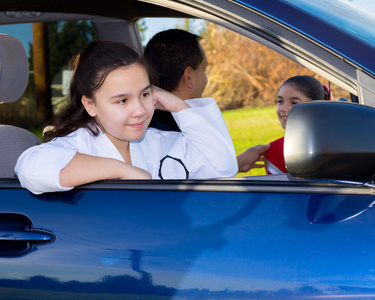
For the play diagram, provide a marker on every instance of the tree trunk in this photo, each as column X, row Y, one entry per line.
column 41, row 72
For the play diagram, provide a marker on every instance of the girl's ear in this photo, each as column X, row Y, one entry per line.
column 89, row 106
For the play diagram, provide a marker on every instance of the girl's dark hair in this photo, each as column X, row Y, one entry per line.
column 309, row 86
column 92, row 67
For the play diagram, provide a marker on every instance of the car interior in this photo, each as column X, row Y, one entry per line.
column 117, row 23
column 14, row 72
column 14, row 75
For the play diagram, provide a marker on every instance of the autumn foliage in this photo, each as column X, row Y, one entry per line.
column 242, row 72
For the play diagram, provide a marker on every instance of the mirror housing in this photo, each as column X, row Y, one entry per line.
column 330, row 140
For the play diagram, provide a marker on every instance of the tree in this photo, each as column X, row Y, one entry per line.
column 66, row 40
column 242, row 72
column 186, row 24
column 41, row 72
column 54, row 45
column 142, row 27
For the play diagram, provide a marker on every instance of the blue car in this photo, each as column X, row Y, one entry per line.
column 307, row 234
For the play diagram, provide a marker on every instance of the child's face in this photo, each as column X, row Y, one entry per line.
column 288, row 97
column 124, row 104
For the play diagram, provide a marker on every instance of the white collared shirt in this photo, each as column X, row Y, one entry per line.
column 203, row 149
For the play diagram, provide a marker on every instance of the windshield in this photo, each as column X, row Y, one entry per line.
column 356, row 17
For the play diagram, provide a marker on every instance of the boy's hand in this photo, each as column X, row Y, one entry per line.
column 250, row 158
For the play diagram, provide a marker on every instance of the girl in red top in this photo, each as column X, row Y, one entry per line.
column 294, row 90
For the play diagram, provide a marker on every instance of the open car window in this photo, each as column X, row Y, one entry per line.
column 225, row 69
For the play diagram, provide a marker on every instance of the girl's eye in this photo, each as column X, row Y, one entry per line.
column 145, row 95
column 122, row 101
column 279, row 101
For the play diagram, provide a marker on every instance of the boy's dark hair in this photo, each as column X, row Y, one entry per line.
column 168, row 54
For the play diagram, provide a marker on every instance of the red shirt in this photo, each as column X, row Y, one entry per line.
column 275, row 163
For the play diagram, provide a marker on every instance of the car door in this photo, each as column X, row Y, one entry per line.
column 189, row 240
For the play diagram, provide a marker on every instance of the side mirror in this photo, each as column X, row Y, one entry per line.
column 330, row 140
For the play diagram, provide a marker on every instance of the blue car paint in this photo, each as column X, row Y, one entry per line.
column 344, row 34
column 195, row 244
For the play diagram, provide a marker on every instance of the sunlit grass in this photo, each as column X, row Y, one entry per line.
column 249, row 127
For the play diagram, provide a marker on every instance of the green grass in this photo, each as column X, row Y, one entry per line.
column 252, row 126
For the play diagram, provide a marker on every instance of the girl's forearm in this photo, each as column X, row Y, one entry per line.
column 85, row 168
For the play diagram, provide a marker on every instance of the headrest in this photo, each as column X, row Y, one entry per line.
column 14, row 69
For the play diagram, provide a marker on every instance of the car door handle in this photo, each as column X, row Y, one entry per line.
column 19, row 237
column 31, row 237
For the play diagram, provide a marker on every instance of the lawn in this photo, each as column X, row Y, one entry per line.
column 249, row 127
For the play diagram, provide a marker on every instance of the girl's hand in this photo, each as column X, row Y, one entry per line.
column 167, row 101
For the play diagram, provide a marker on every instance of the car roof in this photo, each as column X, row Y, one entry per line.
column 338, row 27
column 121, row 9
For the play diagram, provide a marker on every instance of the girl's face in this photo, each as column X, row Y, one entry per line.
column 124, row 104
column 288, row 97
